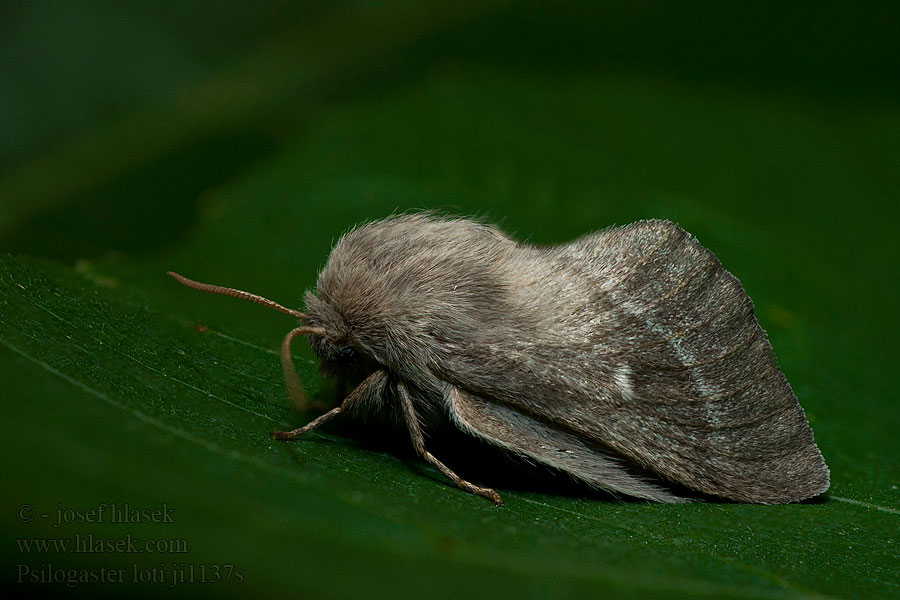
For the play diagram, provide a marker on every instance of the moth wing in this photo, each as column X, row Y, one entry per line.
column 694, row 392
column 525, row 436
column 655, row 354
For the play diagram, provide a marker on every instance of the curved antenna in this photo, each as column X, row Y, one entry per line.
column 225, row 291
column 292, row 382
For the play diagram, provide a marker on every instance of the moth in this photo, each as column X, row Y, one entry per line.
column 629, row 359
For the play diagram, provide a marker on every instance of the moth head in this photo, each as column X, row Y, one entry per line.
column 334, row 342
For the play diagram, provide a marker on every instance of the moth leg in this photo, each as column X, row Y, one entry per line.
column 361, row 390
column 418, row 440
column 320, row 420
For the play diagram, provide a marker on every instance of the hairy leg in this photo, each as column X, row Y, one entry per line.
column 361, row 390
column 418, row 440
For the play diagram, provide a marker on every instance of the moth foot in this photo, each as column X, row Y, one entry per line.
column 287, row 435
column 483, row 492
column 492, row 496
column 294, row 434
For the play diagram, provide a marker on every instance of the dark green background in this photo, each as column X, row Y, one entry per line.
column 235, row 142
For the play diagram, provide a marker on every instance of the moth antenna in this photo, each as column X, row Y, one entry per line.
column 226, row 291
column 292, row 382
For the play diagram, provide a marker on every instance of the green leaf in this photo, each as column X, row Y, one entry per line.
column 122, row 387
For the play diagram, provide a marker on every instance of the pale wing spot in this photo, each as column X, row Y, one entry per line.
column 622, row 377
